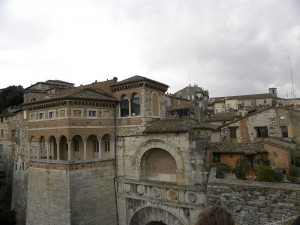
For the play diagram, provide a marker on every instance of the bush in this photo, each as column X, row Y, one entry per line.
column 222, row 170
column 293, row 175
column 241, row 169
column 266, row 173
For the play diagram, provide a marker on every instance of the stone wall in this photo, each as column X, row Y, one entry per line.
column 254, row 202
column 140, row 202
column 19, row 195
column 71, row 194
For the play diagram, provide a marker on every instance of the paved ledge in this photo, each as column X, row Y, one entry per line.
column 69, row 165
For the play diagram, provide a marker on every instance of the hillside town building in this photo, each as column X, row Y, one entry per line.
column 127, row 152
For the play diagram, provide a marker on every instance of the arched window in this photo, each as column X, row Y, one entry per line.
column 155, row 105
column 135, row 105
column 106, row 142
column 124, row 104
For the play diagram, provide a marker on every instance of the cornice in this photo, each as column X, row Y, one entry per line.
column 42, row 105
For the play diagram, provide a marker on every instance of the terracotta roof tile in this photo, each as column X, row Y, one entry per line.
column 172, row 125
column 137, row 78
column 245, row 148
column 279, row 142
column 226, row 116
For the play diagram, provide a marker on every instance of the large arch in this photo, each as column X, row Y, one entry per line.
column 159, row 165
column 151, row 214
column 157, row 143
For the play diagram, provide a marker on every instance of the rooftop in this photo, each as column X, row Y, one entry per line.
column 244, row 148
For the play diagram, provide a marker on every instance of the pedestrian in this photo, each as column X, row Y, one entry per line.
column 215, row 215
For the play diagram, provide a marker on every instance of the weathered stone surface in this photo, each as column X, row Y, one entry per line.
column 83, row 196
column 257, row 202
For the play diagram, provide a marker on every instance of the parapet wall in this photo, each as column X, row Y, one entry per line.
column 254, row 202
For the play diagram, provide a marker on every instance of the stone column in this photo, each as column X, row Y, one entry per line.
column 57, row 151
column 47, row 149
column 99, row 144
column 129, row 105
column 69, row 151
column 38, row 150
column 29, row 154
column 84, row 150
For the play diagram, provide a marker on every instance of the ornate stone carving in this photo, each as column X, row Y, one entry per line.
column 127, row 188
column 140, row 189
column 156, row 192
column 172, row 195
column 191, row 197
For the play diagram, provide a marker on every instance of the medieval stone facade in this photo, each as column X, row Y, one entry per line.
column 105, row 153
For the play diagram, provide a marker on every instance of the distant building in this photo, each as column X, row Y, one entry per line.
column 244, row 102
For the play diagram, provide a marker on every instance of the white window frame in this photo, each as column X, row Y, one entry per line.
column 39, row 115
column 31, row 115
column 49, row 113
column 91, row 111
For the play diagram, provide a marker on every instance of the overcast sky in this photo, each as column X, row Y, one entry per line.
column 230, row 47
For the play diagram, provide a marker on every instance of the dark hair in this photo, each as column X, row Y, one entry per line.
column 215, row 215
column 297, row 221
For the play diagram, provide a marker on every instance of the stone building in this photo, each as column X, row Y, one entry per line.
column 106, row 153
column 99, row 153
column 275, row 121
column 244, row 102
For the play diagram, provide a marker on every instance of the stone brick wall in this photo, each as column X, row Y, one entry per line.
column 19, row 195
column 254, row 202
column 68, row 194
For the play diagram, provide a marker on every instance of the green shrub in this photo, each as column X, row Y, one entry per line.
column 266, row 173
column 241, row 169
column 222, row 170
column 293, row 175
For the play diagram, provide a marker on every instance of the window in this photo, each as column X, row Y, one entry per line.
column 76, row 147
column 92, row 113
column 284, row 131
column 106, row 143
column 135, row 105
column 96, row 145
column 1, row 132
column 124, row 104
column 51, row 115
column 262, row 132
column 232, row 132
column 96, row 148
column 41, row 115
column 1, row 119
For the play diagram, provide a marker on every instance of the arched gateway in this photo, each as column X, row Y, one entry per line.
column 154, row 216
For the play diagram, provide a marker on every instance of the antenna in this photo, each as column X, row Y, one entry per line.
column 292, row 91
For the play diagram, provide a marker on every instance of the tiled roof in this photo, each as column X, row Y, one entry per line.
column 226, row 116
column 253, row 96
column 173, row 125
column 89, row 94
column 245, row 148
column 135, row 79
column 279, row 142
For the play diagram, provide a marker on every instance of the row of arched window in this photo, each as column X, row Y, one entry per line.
column 132, row 107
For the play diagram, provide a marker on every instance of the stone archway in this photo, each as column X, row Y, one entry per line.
column 154, row 215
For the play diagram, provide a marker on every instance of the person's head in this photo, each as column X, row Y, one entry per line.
column 215, row 215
